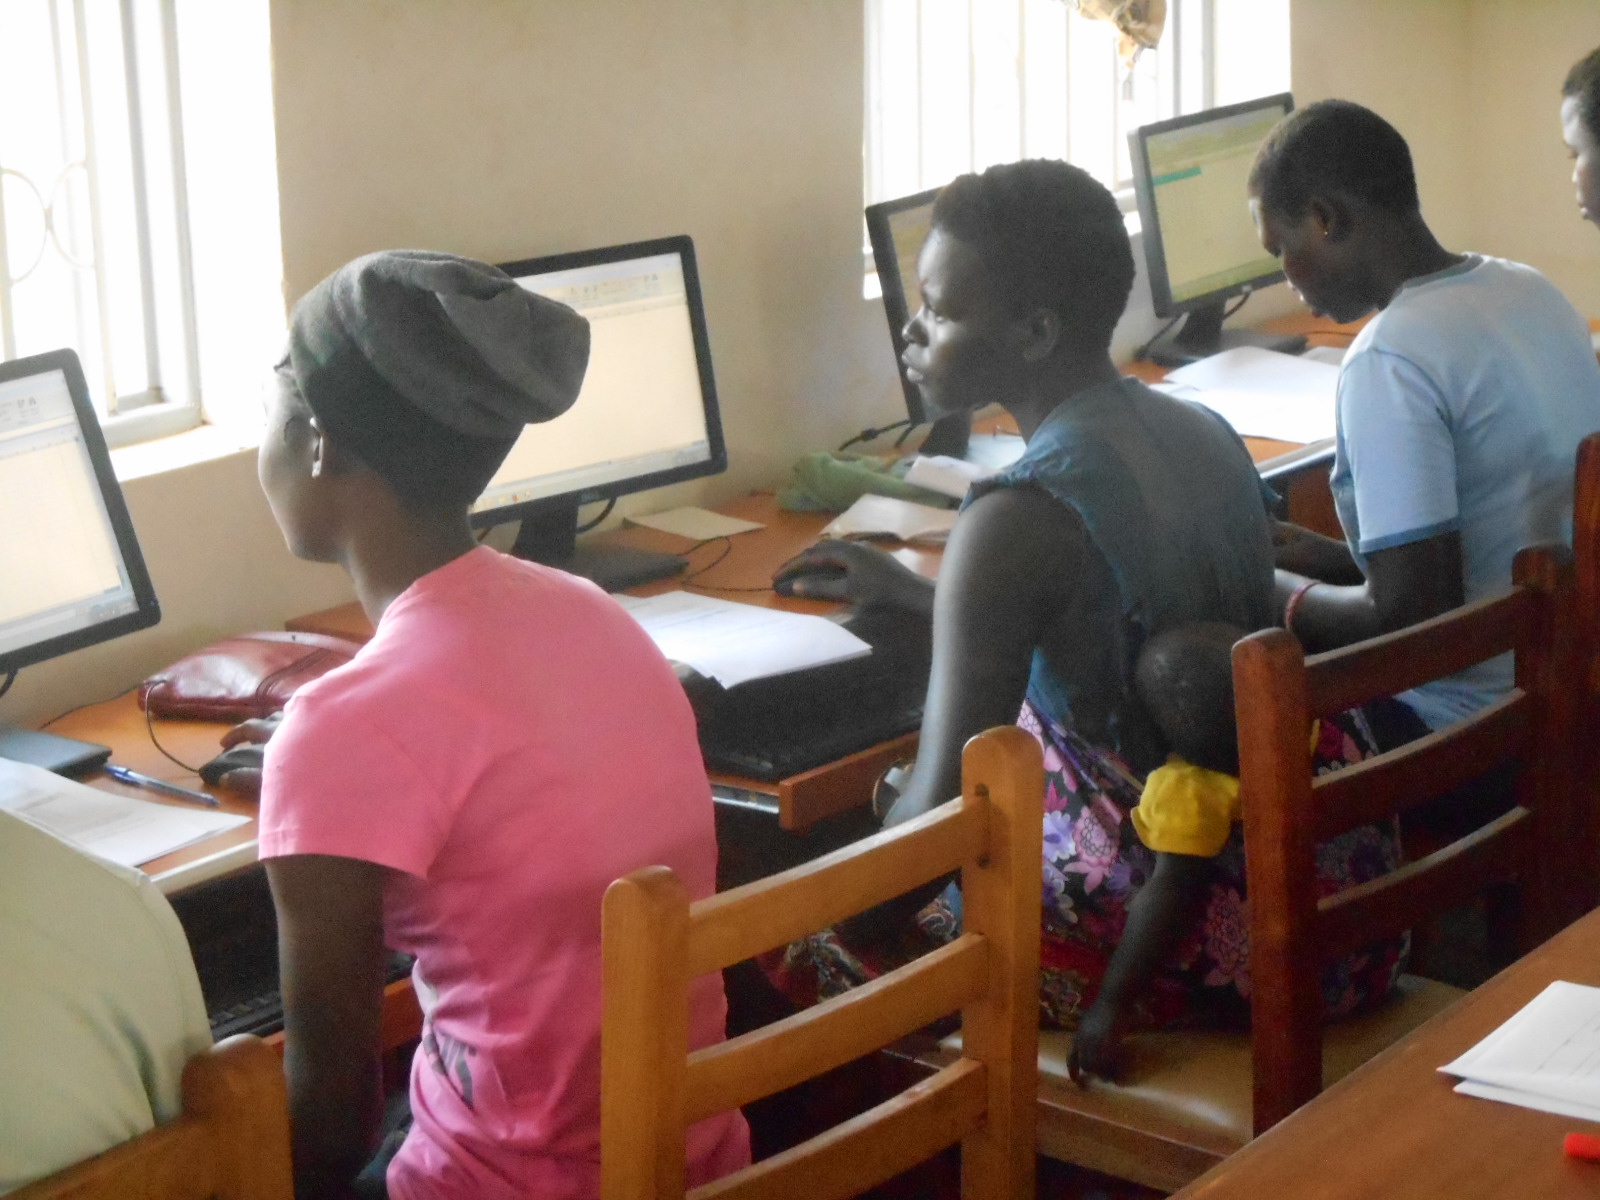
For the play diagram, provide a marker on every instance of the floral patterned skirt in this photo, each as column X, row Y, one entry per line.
column 1094, row 865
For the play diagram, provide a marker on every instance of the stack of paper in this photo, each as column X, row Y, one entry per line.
column 120, row 828
column 733, row 643
column 951, row 476
column 1546, row 1057
column 1262, row 393
column 886, row 517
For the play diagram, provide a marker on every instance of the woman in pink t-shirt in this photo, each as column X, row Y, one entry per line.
column 507, row 744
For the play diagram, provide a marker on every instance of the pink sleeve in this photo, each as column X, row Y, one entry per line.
column 336, row 784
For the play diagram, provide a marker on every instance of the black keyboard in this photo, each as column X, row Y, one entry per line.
column 262, row 1013
column 233, row 934
column 770, row 729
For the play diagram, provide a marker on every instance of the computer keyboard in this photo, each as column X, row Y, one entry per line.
column 233, row 935
column 770, row 729
column 262, row 1012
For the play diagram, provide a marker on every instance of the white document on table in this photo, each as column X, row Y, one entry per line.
column 873, row 516
column 120, row 828
column 734, row 643
column 949, row 476
column 1262, row 393
column 698, row 524
column 1546, row 1057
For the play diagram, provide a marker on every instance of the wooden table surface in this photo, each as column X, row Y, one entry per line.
column 1394, row 1129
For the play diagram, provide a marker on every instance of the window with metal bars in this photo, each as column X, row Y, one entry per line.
column 127, row 209
column 958, row 85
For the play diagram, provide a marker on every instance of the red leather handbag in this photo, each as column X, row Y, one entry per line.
column 245, row 676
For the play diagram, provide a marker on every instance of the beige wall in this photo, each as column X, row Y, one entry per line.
column 509, row 128
column 505, row 129
column 1520, row 181
column 1475, row 86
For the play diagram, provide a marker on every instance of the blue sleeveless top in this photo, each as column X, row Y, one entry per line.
column 1173, row 506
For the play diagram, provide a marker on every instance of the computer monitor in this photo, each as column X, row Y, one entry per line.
column 1190, row 176
column 71, row 572
column 897, row 229
column 645, row 417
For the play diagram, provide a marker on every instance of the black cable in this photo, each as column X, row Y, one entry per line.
column 1140, row 354
column 150, row 728
column 911, row 427
column 11, row 677
column 727, row 549
column 604, row 513
column 867, row 435
column 1228, row 312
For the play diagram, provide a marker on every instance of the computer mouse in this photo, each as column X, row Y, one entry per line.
column 808, row 575
column 244, row 756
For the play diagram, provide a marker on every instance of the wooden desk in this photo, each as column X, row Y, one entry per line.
column 121, row 725
column 1394, row 1129
column 745, row 573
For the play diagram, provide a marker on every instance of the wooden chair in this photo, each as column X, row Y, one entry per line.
column 1188, row 1099
column 655, row 943
column 230, row 1143
column 1586, row 636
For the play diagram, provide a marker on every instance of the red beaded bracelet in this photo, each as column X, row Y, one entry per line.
column 1292, row 605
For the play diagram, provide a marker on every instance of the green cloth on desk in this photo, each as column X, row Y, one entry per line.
column 824, row 480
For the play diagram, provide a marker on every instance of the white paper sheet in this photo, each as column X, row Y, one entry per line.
column 887, row 517
column 1262, row 393
column 733, row 643
column 120, row 828
column 946, row 475
column 1547, row 1054
column 700, row 524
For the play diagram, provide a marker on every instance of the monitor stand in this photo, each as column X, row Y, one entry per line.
column 550, row 537
column 1202, row 335
column 948, row 436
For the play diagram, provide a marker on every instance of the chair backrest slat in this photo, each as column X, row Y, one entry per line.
column 1427, row 768
column 230, row 1143
column 1432, row 649
column 655, row 943
column 828, row 1035
column 893, row 1137
column 734, row 925
column 1450, row 876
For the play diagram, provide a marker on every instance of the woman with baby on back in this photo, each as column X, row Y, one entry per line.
column 1128, row 515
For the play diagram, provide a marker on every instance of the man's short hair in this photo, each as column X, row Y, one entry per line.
column 1052, row 237
column 1334, row 146
column 1583, row 81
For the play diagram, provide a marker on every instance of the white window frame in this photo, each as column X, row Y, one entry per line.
column 1041, row 61
column 117, row 107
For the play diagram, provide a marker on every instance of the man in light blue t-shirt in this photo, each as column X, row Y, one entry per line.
column 1460, row 404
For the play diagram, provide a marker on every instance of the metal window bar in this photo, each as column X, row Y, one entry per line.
column 62, row 229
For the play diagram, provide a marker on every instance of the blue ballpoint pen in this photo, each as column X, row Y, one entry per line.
column 124, row 775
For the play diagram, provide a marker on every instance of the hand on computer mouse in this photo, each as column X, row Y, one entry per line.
column 238, row 767
column 851, row 571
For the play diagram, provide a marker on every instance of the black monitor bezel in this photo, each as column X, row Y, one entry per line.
column 1150, row 222
column 148, row 612
column 896, row 305
column 683, row 246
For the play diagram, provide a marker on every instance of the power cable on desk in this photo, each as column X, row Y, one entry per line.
column 11, row 677
column 867, row 435
column 727, row 549
column 604, row 513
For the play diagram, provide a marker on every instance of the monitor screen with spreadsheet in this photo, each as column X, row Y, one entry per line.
column 71, row 573
column 647, row 413
column 1191, row 179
